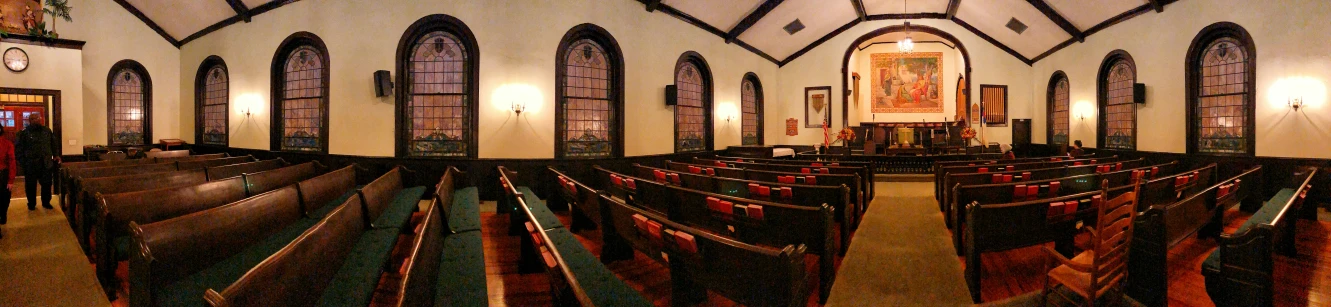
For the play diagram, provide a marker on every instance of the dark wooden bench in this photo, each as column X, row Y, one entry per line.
column 700, row 261
column 749, row 221
column 166, row 153
column 202, row 164
column 940, row 173
column 1240, row 271
column 77, row 176
column 235, row 170
column 851, row 181
column 952, row 180
column 577, row 277
column 866, row 173
column 1018, row 191
column 1163, row 226
column 446, row 264
column 583, row 201
column 999, row 227
column 64, row 179
column 178, row 259
column 800, row 194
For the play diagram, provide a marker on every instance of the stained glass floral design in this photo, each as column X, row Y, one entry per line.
column 302, row 100
column 215, row 97
column 750, row 133
column 127, row 102
column 689, row 114
column 588, row 112
column 1223, row 98
column 437, row 99
column 1120, row 110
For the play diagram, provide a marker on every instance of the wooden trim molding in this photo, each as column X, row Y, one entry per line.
column 55, row 119
column 43, row 41
column 1058, row 19
column 467, row 40
column 240, row 8
column 615, row 57
column 753, row 18
column 135, row 11
column 993, row 41
column 277, row 78
column 1193, row 81
column 147, row 100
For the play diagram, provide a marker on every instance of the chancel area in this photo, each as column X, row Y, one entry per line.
column 665, row 153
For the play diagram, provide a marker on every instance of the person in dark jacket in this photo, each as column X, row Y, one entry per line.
column 1076, row 150
column 36, row 152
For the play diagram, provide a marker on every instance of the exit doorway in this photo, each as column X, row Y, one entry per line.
column 16, row 104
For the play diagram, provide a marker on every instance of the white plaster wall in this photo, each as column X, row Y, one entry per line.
column 1290, row 38
column 517, row 44
column 822, row 66
column 60, row 69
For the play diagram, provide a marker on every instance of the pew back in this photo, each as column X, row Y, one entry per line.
column 235, row 170
column 201, row 164
column 799, row 194
column 260, row 182
column 167, row 154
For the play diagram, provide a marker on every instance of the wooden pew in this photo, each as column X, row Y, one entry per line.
column 866, row 173
column 1239, row 272
column 446, row 265
column 166, row 154
column 64, row 180
column 941, row 172
column 700, row 261
column 583, row 200
column 749, row 221
column 1163, row 226
column 952, row 180
column 866, row 165
column 388, row 202
column 190, row 158
column 800, row 194
column 74, row 189
column 178, row 259
column 120, row 184
column 235, row 170
column 998, row 193
column 998, row 227
column 851, row 181
column 577, row 278
column 202, row 164
column 112, row 213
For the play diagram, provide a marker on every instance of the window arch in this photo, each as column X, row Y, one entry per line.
column 1221, row 104
column 693, row 109
column 1059, row 108
column 437, row 101
column 129, row 104
column 589, row 113
column 1118, row 112
column 751, row 110
column 300, row 95
column 211, row 100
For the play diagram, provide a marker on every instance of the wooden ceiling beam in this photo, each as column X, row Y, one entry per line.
column 952, row 8
column 255, row 11
column 1158, row 5
column 240, row 8
column 753, row 18
column 144, row 18
column 859, row 10
column 993, row 41
column 652, row 5
column 1058, row 19
column 669, row 10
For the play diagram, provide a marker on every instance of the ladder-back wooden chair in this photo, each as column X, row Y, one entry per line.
column 1103, row 267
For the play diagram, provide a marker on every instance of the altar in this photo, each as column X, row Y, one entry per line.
column 911, row 138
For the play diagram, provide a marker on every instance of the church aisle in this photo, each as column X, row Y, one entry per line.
column 41, row 263
column 902, row 254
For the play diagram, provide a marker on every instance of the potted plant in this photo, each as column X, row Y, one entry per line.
column 57, row 9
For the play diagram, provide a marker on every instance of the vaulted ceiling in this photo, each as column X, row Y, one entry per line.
column 759, row 25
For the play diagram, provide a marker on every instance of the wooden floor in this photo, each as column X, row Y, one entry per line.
column 1304, row 280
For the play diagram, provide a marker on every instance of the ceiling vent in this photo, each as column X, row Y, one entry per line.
column 1016, row 26
column 794, row 26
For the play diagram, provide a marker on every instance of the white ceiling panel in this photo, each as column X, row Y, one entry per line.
column 878, row 7
column 182, row 18
column 723, row 15
column 818, row 16
column 254, row 3
column 1086, row 14
column 992, row 16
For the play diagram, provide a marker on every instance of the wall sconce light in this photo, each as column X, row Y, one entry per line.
column 247, row 112
column 729, row 117
column 1081, row 116
column 518, row 107
column 1295, row 103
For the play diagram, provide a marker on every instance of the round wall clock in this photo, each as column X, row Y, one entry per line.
column 16, row 60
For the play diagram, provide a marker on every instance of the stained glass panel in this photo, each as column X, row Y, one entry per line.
column 1120, row 110
column 437, row 97
column 689, row 115
column 127, row 108
column 1223, row 97
column 215, row 97
column 1061, row 112
column 749, row 114
column 588, row 111
column 302, row 97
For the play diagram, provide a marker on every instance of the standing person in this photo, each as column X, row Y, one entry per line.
column 7, row 169
column 1076, row 150
column 36, row 154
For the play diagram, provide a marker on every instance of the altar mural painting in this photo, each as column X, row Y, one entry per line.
column 907, row 82
column 17, row 16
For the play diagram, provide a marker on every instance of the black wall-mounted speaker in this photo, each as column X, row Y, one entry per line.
column 1139, row 93
column 670, row 93
column 383, row 83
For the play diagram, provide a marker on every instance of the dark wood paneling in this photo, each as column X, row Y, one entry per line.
column 43, row 41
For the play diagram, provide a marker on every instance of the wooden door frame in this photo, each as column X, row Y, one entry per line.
column 53, row 119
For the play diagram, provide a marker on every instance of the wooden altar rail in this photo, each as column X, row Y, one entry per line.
column 887, row 164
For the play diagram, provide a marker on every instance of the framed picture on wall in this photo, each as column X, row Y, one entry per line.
column 817, row 106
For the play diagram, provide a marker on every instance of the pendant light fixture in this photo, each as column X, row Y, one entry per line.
column 906, row 45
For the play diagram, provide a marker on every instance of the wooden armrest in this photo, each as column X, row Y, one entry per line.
column 1064, row 260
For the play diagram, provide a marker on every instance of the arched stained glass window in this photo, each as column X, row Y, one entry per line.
column 1220, row 95
column 211, row 102
column 130, row 106
column 587, row 107
column 1059, row 110
column 437, row 102
column 300, row 108
column 1118, row 111
column 693, row 109
column 751, row 110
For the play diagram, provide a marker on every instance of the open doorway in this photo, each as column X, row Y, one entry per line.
column 16, row 104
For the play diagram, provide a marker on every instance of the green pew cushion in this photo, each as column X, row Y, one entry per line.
column 399, row 211
column 1264, row 215
column 542, row 212
column 354, row 283
column 332, row 205
column 602, row 286
column 189, row 290
column 465, row 212
column 461, row 280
